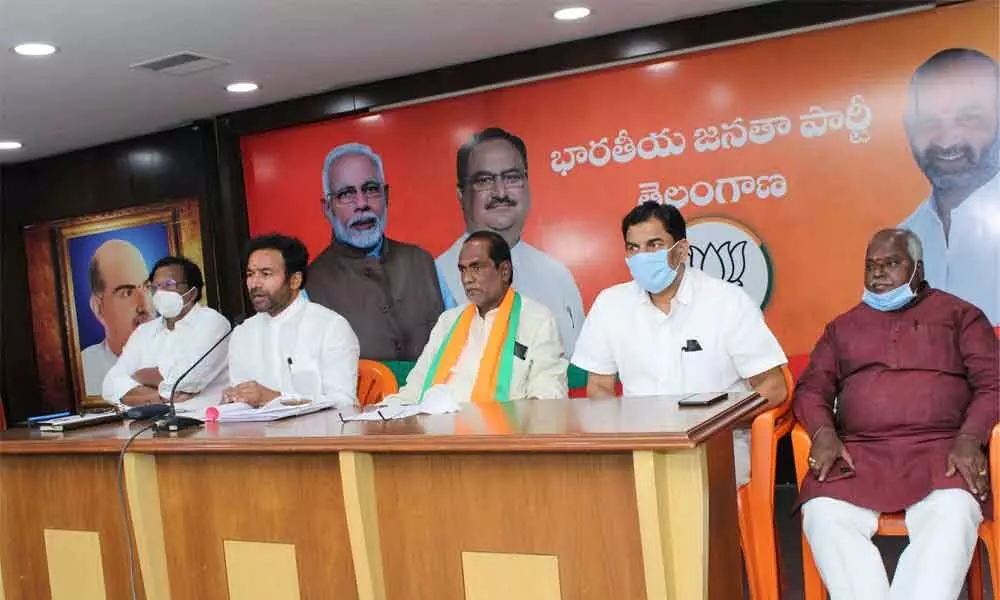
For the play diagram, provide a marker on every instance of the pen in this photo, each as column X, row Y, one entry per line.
column 47, row 417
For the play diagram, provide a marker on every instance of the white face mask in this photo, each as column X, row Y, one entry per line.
column 169, row 304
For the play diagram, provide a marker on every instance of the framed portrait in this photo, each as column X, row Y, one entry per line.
column 86, row 277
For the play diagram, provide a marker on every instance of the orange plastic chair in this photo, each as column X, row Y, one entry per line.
column 895, row 525
column 755, row 500
column 375, row 381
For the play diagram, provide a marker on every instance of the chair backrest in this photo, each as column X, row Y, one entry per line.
column 801, row 445
column 766, row 431
column 995, row 474
column 375, row 381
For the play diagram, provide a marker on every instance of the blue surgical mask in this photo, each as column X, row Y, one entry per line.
column 651, row 270
column 894, row 299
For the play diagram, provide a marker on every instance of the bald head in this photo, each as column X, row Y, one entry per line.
column 894, row 258
column 119, row 302
column 114, row 255
column 952, row 119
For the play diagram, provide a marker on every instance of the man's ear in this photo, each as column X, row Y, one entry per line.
column 295, row 281
column 683, row 250
column 97, row 307
column 327, row 206
column 507, row 272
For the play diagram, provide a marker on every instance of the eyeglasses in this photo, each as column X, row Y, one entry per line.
column 512, row 179
column 167, row 285
column 349, row 195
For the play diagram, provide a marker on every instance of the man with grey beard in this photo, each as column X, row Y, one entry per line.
column 390, row 292
column 952, row 123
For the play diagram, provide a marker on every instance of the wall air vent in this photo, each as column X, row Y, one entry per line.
column 180, row 63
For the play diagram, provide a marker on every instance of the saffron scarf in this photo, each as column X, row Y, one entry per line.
column 496, row 366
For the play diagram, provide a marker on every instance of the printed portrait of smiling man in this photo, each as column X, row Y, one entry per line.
column 952, row 125
column 389, row 291
column 494, row 191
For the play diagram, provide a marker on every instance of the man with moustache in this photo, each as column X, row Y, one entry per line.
column 901, row 395
column 495, row 195
column 952, row 124
column 292, row 349
column 389, row 291
column 160, row 351
column 501, row 346
column 118, row 300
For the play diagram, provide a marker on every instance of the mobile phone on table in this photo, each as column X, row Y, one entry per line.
column 701, row 400
column 840, row 470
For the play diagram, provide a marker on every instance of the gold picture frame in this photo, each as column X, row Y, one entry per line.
column 53, row 270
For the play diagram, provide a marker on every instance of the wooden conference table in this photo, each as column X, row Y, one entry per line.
column 629, row 498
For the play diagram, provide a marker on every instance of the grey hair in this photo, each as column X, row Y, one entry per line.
column 914, row 247
column 350, row 149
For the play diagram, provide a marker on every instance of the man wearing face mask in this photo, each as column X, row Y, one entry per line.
column 953, row 123
column 389, row 291
column 674, row 330
column 901, row 393
column 161, row 350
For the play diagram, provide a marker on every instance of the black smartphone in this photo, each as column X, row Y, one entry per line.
column 699, row 400
column 840, row 470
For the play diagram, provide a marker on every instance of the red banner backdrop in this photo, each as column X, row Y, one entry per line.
column 795, row 146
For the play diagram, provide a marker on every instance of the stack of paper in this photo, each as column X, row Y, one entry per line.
column 438, row 400
column 238, row 412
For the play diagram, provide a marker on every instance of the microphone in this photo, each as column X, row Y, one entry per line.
column 147, row 411
column 173, row 423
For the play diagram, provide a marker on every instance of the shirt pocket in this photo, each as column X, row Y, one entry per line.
column 930, row 346
column 520, row 370
column 306, row 382
column 703, row 370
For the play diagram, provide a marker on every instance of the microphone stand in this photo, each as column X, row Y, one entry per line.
column 172, row 423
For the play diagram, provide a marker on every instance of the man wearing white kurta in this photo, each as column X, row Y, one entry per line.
column 538, row 361
column 291, row 349
column 159, row 351
column 674, row 330
column 952, row 123
column 495, row 195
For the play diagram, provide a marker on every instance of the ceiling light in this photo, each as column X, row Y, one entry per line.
column 34, row 49
column 572, row 13
column 9, row 145
column 242, row 87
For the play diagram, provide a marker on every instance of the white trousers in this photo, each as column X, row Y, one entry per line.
column 741, row 456
column 943, row 530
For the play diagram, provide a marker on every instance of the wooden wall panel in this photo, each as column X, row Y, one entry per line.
column 579, row 508
column 285, row 499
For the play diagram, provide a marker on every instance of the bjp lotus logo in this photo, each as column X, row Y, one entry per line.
column 731, row 251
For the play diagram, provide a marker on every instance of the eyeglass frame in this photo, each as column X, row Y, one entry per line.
column 502, row 177
column 352, row 193
column 167, row 285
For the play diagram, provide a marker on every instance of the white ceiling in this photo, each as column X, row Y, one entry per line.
column 86, row 94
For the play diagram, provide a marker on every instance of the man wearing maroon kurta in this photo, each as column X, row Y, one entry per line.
column 913, row 373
